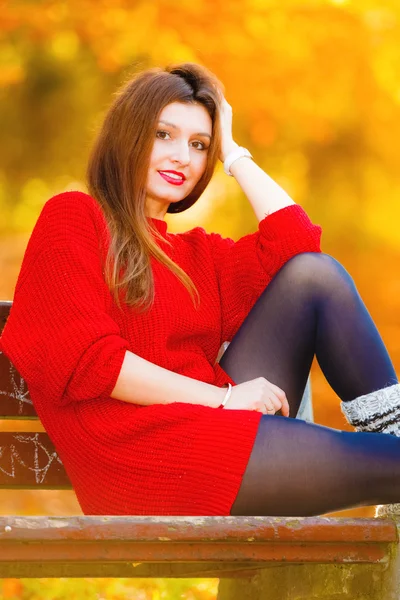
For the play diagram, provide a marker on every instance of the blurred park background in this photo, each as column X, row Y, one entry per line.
column 315, row 91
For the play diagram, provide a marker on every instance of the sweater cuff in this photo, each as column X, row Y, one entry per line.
column 98, row 370
column 289, row 219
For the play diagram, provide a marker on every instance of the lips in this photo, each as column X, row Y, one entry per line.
column 172, row 180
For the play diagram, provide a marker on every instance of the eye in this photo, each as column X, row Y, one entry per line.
column 162, row 132
column 203, row 147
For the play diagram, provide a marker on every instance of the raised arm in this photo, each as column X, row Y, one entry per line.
column 263, row 193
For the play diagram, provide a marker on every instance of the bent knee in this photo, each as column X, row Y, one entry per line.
column 313, row 259
column 315, row 268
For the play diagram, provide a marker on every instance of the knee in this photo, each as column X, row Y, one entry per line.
column 314, row 260
column 316, row 270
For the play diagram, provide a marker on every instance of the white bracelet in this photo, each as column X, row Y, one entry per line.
column 234, row 155
column 227, row 396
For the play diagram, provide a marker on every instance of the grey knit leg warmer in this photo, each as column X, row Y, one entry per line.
column 377, row 412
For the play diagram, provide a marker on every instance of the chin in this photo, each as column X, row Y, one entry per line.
column 171, row 197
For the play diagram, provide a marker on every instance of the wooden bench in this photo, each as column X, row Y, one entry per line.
column 253, row 556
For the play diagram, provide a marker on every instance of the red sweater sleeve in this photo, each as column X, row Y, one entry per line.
column 59, row 335
column 244, row 268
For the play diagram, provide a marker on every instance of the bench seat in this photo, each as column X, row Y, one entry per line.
column 112, row 546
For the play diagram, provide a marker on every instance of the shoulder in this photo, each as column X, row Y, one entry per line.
column 197, row 234
column 71, row 217
column 72, row 204
column 72, row 208
column 198, row 238
column 212, row 240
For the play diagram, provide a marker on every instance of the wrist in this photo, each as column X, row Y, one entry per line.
column 233, row 157
column 218, row 396
column 228, row 149
column 227, row 395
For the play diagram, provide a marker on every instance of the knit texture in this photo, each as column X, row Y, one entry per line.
column 376, row 412
column 67, row 338
column 384, row 511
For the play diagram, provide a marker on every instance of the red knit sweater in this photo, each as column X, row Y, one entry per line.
column 67, row 338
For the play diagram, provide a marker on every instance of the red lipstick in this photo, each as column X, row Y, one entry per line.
column 173, row 180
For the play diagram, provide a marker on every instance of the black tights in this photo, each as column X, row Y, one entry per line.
column 312, row 307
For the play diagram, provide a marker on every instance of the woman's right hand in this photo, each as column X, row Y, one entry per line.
column 260, row 395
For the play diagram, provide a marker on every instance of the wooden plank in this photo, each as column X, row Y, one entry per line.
column 197, row 529
column 135, row 570
column 15, row 401
column 200, row 552
column 30, row 461
column 195, row 539
column 5, row 306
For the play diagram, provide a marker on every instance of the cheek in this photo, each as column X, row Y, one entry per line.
column 156, row 154
column 200, row 164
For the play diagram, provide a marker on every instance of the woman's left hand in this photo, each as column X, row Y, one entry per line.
column 227, row 142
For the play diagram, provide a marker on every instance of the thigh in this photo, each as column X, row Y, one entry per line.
column 277, row 338
column 302, row 469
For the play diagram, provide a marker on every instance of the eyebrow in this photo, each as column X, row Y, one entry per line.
column 175, row 127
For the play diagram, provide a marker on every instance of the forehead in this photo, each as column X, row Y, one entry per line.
column 192, row 117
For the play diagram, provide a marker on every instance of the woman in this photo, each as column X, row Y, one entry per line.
column 116, row 326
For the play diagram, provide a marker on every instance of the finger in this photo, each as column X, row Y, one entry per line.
column 276, row 403
column 283, row 405
column 277, row 390
column 285, row 408
column 282, row 397
column 265, row 407
column 220, row 95
column 271, row 405
column 267, row 410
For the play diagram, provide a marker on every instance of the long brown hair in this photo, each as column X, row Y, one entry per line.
column 118, row 167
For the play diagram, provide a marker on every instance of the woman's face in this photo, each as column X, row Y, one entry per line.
column 179, row 155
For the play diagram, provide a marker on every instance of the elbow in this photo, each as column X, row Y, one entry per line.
column 97, row 372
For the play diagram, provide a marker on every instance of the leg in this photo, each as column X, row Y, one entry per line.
column 301, row 469
column 310, row 307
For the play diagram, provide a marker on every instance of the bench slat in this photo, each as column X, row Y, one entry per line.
column 108, row 569
column 15, row 401
column 5, row 306
column 205, row 552
column 249, row 540
column 197, row 529
column 29, row 461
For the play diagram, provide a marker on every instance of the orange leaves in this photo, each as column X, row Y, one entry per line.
column 12, row 588
column 263, row 129
column 110, row 589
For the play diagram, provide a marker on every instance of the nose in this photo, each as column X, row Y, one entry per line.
column 181, row 154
